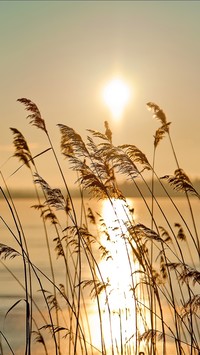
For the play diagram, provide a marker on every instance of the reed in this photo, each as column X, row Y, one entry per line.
column 127, row 287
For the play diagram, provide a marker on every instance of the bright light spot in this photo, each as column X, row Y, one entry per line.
column 122, row 317
column 117, row 270
column 116, row 95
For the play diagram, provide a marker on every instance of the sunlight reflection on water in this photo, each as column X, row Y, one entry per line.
column 117, row 305
column 117, row 270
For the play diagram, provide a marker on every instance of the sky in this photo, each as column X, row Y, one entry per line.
column 61, row 54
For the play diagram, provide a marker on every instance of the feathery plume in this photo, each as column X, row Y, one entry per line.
column 21, row 148
column 158, row 113
column 71, row 142
column 180, row 182
column 35, row 116
column 108, row 132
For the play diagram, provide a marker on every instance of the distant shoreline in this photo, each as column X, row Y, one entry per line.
column 127, row 189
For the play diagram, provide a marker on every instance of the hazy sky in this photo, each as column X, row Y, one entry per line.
column 61, row 54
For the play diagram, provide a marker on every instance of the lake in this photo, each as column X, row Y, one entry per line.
column 12, row 324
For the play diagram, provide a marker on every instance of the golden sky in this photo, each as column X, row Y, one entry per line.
column 60, row 54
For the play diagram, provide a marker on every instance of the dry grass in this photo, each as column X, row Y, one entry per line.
column 141, row 294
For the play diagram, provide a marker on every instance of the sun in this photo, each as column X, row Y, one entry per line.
column 116, row 95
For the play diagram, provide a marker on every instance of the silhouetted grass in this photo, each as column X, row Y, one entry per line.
column 143, row 291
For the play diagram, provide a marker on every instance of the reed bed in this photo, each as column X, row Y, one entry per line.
column 126, row 287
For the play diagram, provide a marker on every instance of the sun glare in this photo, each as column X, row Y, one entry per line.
column 116, row 270
column 116, row 95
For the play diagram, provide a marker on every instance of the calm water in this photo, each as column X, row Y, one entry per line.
column 11, row 292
